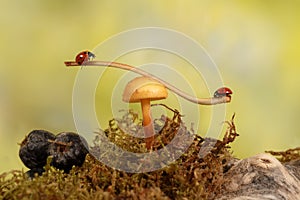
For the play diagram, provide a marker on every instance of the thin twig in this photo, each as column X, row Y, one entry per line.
column 202, row 101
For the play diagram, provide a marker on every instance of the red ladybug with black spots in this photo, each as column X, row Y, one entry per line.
column 223, row 92
column 84, row 56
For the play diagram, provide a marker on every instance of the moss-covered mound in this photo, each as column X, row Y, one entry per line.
column 196, row 174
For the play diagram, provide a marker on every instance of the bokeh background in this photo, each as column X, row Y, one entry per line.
column 254, row 43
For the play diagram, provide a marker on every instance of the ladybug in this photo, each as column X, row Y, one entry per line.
column 223, row 92
column 84, row 56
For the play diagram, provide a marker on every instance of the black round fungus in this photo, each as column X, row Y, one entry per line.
column 31, row 173
column 68, row 149
column 34, row 148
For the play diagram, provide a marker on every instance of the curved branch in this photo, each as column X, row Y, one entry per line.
column 202, row 101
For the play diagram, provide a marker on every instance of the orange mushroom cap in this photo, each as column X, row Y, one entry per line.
column 144, row 88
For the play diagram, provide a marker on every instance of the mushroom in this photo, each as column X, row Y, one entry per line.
column 144, row 89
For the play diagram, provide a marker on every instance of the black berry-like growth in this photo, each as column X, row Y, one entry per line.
column 31, row 173
column 34, row 149
column 68, row 149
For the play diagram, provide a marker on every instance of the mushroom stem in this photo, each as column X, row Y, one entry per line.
column 202, row 101
column 147, row 123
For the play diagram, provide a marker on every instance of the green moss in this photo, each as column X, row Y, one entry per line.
column 190, row 176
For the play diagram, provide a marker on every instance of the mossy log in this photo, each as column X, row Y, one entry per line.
column 262, row 177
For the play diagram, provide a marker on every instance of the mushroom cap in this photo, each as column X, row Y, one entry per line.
column 144, row 88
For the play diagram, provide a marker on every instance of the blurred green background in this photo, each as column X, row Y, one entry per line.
column 254, row 43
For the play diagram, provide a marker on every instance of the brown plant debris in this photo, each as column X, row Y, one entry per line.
column 288, row 155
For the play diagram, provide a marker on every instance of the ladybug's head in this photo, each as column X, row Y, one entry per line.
column 223, row 92
column 91, row 55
